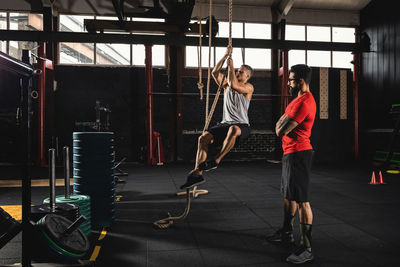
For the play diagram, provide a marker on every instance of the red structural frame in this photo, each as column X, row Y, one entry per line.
column 149, row 105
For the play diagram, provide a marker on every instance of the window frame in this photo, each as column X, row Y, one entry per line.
column 331, row 37
column 214, row 48
column 94, row 63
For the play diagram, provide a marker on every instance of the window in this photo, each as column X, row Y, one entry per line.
column 237, row 55
column 139, row 55
column 295, row 33
column 319, row 58
column 112, row 54
column 297, row 57
column 344, row 35
column 148, row 19
column 257, row 58
column 237, row 29
column 257, row 31
column 320, row 34
column 237, row 32
column 158, row 55
column 158, row 51
column 342, row 60
column 3, row 26
column 106, row 53
column 75, row 53
column 24, row 22
column 192, row 56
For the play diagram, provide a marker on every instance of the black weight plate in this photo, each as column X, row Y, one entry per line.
column 55, row 226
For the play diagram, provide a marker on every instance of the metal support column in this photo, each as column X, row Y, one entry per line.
column 26, row 85
column 285, row 77
column 356, row 74
column 42, row 103
column 149, row 104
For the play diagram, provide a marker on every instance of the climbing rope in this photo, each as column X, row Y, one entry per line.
column 209, row 58
column 209, row 115
column 167, row 222
column 200, row 85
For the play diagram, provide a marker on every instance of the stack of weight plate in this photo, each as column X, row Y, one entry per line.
column 83, row 202
column 54, row 243
column 67, row 210
column 93, row 173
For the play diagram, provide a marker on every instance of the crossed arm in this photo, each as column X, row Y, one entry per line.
column 285, row 125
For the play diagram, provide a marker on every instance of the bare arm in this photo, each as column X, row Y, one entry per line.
column 285, row 125
column 243, row 88
column 216, row 72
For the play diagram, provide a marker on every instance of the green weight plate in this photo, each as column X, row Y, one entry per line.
column 54, row 226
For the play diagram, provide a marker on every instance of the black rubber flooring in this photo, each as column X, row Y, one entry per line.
column 355, row 224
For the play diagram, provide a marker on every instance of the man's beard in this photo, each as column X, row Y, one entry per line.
column 293, row 91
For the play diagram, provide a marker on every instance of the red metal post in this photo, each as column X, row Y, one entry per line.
column 41, row 103
column 285, row 77
column 356, row 73
column 149, row 106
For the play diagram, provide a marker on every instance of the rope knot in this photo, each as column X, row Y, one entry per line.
column 200, row 85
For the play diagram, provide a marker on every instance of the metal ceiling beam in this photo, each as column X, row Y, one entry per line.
column 281, row 9
column 285, row 6
column 93, row 26
column 77, row 37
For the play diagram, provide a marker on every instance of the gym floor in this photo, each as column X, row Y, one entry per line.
column 355, row 223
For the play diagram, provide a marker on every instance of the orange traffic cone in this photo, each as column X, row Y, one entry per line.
column 373, row 179
column 381, row 178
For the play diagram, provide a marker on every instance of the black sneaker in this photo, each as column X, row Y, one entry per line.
column 301, row 255
column 208, row 165
column 193, row 180
column 281, row 237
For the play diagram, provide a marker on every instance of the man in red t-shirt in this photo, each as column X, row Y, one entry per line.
column 295, row 129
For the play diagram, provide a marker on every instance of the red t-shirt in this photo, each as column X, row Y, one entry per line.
column 302, row 109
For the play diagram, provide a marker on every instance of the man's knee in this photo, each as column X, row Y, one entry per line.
column 304, row 205
column 205, row 139
column 234, row 131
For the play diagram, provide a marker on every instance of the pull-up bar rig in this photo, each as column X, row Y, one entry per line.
column 25, row 71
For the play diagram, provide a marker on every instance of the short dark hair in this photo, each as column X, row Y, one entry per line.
column 249, row 69
column 302, row 71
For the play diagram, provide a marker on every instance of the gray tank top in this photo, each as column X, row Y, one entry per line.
column 235, row 109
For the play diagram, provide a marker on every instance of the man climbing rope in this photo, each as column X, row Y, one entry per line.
column 234, row 126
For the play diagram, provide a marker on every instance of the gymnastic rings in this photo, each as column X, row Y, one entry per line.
column 34, row 94
column 37, row 72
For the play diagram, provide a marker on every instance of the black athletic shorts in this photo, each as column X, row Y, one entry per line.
column 296, row 175
column 220, row 130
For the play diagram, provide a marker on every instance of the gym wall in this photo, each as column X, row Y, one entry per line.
column 380, row 79
column 122, row 89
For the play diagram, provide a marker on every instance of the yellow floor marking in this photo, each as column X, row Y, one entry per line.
column 102, row 234
column 15, row 211
column 95, row 253
column 393, row 171
column 117, row 198
column 34, row 182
